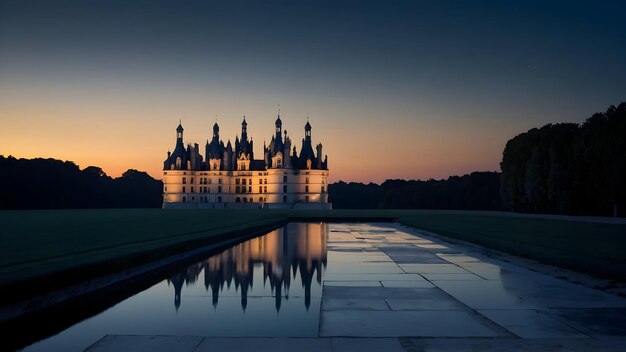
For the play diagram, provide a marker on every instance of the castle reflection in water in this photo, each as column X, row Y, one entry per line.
column 296, row 249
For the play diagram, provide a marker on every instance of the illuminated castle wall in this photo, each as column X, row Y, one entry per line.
column 232, row 177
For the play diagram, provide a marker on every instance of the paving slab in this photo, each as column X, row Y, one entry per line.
column 446, row 268
column 528, row 323
column 366, row 345
column 115, row 343
column 452, row 277
column 598, row 323
column 407, row 284
column 353, row 284
column 513, row 345
column 457, row 258
column 265, row 345
column 442, row 302
column 484, row 294
column 373, row 277
column 349, row 304
column 410, row 254
column 404, row 323
column 383, row 293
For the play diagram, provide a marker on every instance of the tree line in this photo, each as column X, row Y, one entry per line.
column 565, row 168
column 55, row 184
column 568, row 168
column 475, row 191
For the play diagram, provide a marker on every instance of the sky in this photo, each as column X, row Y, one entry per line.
column 393, row 89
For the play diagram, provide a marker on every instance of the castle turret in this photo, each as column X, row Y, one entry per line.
column 228, row 156
column 319, row 156
column 306, row 160
column 216, row 131
column 177, row 160
column 244, row 129
column 278, row 138
column 288, row 163
column 179, row 133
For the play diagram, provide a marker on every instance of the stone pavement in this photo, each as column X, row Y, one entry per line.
column 390, row 288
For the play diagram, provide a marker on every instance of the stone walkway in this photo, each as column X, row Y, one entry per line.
column 389, row 288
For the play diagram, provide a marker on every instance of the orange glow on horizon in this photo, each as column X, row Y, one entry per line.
column 135, row 134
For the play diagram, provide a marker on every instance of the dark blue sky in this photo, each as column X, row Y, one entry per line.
column 449, row 81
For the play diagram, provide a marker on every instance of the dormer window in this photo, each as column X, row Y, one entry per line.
column 179, row 162
column 308, row 163
column 279, row 162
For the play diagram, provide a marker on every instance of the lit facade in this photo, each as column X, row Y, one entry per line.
column 230, row 177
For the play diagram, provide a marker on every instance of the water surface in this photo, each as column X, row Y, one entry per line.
column 269, row 286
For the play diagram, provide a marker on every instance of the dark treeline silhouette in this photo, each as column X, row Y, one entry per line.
column 568, row 168
column 476, row 191
column 55, row 184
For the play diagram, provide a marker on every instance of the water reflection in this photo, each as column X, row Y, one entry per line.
column 299, row 248
column 262, row 287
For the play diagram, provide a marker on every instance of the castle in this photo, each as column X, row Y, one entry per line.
column 232, row 178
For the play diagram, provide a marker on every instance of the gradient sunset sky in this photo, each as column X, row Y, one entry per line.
column 394, row 89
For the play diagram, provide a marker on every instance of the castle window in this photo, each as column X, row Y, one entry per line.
column 284, row 189
column 306, row 199
column 184, row 180
column 219, row 189
column 237, row 181
column 191, row 181
column 219, row 199
column 245, row 200
column 251, row 200
column 237, row 189
column 307, row 180
column 264, row 189
column 179, row 162
column 284, row 179
column 260, row 199
column 306, row 189
column 284, row 199
column 323, row 189
column 243, row 181
column 191, row 189
column 184, row 189
column 250, row 189
column 308, row 164
column 184, row 199
column 219, row 180
column 193, row 198
column 260, row 189
column 237, row 200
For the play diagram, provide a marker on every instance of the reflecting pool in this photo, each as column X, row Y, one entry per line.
column 268, row 286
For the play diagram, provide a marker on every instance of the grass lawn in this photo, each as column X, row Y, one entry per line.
column 43, row 249
column 50, row 248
